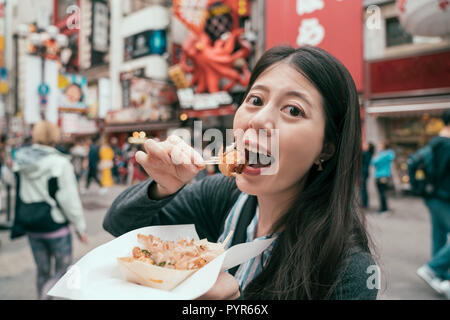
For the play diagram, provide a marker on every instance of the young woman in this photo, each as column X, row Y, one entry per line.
column 47, row 202
column 321, row 248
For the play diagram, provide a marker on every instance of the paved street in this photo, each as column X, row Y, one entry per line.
column 402, row 240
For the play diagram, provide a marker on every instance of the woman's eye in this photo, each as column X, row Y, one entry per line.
column 293, row 111
column 255, row 101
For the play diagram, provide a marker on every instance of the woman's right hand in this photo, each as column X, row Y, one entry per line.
column 171, row 163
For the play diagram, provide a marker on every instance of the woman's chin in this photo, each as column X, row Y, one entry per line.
column 249, row 187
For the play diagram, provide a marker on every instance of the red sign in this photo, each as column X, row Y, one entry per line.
column 221, row 111
column 333, row 25
column 418, row 73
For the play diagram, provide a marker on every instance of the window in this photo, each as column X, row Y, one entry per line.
column 395, row 34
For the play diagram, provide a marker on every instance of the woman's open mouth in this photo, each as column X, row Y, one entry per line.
column 256, row 162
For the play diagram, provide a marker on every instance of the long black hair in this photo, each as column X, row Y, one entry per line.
column 323, row 224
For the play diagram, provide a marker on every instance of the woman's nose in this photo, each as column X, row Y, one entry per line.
column 263, row 120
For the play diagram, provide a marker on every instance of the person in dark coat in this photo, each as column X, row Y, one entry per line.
column 366, row 158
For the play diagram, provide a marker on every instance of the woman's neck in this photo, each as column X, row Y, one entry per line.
column 272, row 207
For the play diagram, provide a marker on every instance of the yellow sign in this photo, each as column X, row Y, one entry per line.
column 4, row 87
column 178, row 77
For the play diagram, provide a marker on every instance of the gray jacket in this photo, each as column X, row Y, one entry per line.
column 206, row 204
column 36, row 165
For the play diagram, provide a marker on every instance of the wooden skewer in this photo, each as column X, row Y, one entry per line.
column 212, row 160
column 217, row 160
column 227, row 239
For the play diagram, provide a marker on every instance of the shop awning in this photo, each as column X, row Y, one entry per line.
column 408, row 106
column 129, row 127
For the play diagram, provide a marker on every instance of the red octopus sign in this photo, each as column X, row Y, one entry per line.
column 215, row 49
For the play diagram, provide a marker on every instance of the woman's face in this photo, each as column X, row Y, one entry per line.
column 281, row 98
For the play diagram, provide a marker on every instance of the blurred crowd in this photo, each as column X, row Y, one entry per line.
column 53, row 175
column 429, row 178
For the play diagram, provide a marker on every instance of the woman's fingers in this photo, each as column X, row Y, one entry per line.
column 225, row 288
column 157, row 150
column 172, row 159
column 183, row 154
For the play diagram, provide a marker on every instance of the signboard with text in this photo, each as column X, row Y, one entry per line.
column 333, row 25
column 145, row 43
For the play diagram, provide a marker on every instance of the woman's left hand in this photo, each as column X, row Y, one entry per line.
column 225, row 288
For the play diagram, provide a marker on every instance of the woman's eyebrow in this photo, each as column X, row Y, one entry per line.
column 297, row 94
column 301, row 96
column 260, row 87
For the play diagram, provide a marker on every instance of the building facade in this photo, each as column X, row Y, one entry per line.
column 407, row 86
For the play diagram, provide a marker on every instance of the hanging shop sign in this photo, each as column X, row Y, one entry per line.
column 67, row 17
column 153, row 98
column 72, row 96
column 72, row 123
column 416, row 75
column 335, row 26
column 145, row 43
column 92, row 101
column 41, row 89
column 100, row 26
column 125, row 115
column 203, row 101
column 4, row 87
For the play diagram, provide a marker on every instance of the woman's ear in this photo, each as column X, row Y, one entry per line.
column 328, row 151
column 326, row 154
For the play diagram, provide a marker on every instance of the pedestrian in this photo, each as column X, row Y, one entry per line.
column 106, row 164
column 382, row 163
column 94, row 158
column 366, row 158
column 436, row 271
column 47, row 202
column 307, row 204
column 114, row 144
column 79, row 153
column 2, row 163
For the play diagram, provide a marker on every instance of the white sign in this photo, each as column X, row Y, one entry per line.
column 100, row 27
column 104, row 97
column 72, row 123
column 311, row 32
column 309, row 6
column 203, row 101
column 33, row 72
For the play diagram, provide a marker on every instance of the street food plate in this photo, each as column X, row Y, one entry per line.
column 97, row 275
column 164, row 264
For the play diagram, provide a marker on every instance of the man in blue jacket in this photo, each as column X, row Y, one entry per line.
column 436, row 271
column 382, row 163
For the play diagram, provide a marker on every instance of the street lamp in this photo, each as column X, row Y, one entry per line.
column 47, row 44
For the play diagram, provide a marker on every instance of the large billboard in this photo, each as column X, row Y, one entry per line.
column 333, row 25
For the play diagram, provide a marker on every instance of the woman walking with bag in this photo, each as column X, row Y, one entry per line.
column 47, row 202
